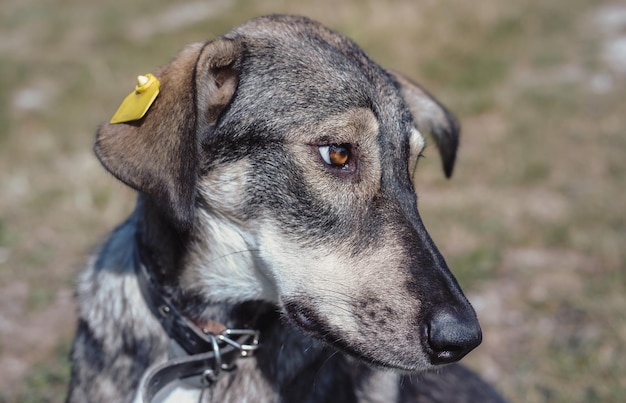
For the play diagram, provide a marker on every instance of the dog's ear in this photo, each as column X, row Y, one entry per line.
column 432, row 117
column 158, row 154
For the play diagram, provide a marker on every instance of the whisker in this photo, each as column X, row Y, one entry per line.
column 234, row 253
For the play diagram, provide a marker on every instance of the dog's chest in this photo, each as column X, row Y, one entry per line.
column 245, row 385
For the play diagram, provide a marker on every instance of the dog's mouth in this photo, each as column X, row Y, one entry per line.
column 369, row 349
column 306, row 318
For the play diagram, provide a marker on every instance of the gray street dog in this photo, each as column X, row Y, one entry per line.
column 276, row 253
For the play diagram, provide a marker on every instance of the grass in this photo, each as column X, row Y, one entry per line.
column 532, row 222
column 48, row 382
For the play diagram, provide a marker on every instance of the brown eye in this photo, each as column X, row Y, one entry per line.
column 336, row 155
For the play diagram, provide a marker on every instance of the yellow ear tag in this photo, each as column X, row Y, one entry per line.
column 137, row 103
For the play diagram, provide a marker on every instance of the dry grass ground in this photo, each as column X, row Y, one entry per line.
column 533, row 223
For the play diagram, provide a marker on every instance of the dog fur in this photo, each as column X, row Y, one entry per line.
column 245, row 222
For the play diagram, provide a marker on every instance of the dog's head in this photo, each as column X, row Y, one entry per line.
column 286, row 155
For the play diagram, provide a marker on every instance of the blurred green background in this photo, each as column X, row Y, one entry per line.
column 533, row 223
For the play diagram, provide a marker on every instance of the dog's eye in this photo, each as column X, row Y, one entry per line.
column 336, row 155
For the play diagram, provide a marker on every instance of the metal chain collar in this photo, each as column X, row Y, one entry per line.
column 200, row 357
column 204, row 369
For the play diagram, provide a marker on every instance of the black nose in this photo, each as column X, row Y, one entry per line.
column 451, row 335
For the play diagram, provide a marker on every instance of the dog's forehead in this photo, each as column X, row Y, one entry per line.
column 295, row 33
column 293, row 64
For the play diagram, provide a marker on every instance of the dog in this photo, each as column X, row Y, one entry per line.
column 276, row 252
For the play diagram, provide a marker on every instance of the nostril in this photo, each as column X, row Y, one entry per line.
column 452, row 335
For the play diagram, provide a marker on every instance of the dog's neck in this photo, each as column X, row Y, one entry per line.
column 195, row 335
column 163, row 250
